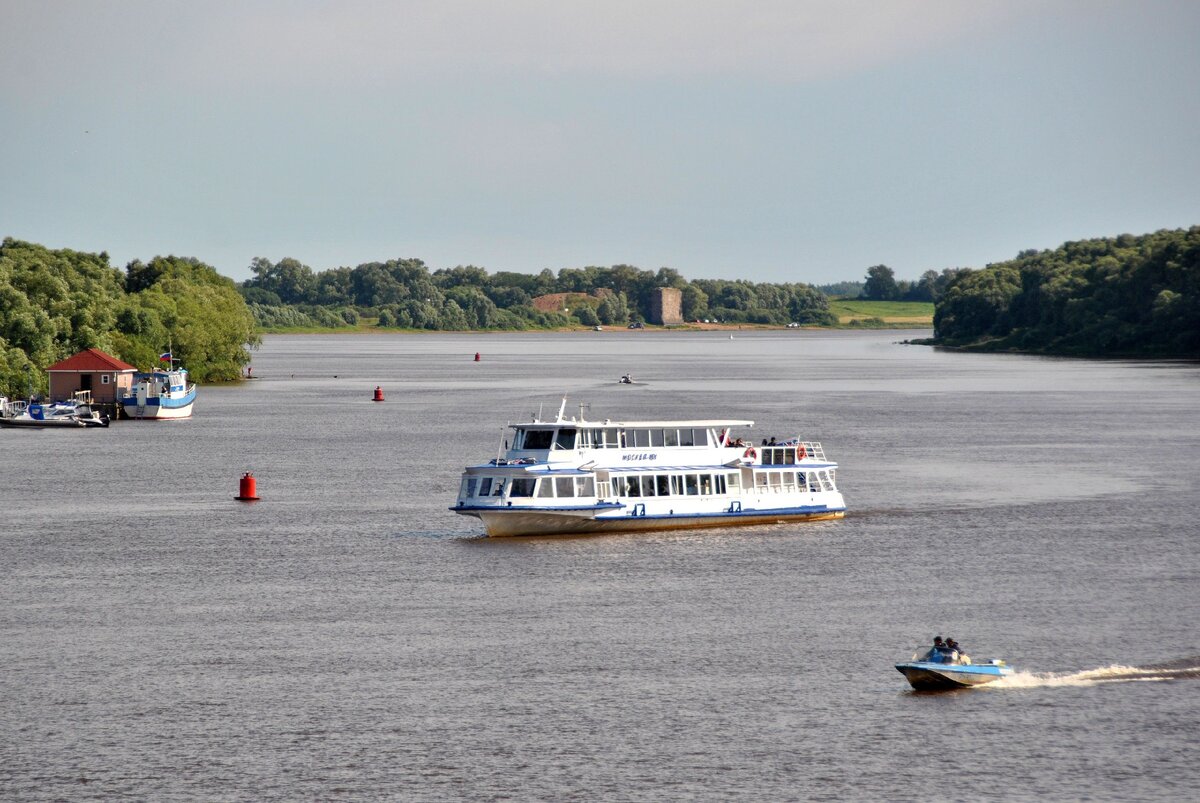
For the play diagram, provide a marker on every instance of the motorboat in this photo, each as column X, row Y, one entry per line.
column 940, row 668
column 72, row 413
column 626, row 379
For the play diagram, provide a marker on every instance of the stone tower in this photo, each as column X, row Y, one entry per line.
column 666, row 306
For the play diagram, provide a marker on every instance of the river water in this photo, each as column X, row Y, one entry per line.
column 348, row 637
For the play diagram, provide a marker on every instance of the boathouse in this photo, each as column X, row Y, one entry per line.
column 102, row 374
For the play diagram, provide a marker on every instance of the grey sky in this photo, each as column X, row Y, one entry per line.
column 776, row 141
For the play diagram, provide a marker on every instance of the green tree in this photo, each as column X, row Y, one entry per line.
column 881, row 284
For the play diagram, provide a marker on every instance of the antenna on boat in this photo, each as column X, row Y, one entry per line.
column 561, row 408
column 539, row 414
column 582, row 407
column 500, row 445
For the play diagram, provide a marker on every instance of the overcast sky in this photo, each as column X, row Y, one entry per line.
column 777, row 140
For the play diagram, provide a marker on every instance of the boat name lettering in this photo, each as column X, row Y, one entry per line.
column 641, row 456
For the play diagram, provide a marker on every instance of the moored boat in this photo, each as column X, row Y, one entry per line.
column 940, row 668
column 571, row 475
column 160, row 394
column 72, row 413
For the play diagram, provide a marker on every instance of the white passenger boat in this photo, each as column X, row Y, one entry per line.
column 571, row 475
column 160, row 394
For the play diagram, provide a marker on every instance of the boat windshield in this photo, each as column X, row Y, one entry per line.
column 943, row 655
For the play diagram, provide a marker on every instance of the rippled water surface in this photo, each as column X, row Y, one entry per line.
column 349, row 638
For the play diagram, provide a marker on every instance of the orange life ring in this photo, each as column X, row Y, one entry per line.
column 750, row 453
column 801, row 453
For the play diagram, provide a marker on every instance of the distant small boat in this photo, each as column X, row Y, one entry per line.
column 941, row 668
column 160, row 394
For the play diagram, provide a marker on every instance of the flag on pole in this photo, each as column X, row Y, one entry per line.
column 165, row 357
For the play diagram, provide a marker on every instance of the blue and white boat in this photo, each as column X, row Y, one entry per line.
column 571, row 475
column 70, row 413
column 160, row 394
column 940, row 668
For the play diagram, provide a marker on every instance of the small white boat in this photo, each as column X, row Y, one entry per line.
column 72, row 413
column 572, row 475
column 160, row 394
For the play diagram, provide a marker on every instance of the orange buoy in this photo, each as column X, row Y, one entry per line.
column 247, row 492
column 477, row 356
column 378, row 394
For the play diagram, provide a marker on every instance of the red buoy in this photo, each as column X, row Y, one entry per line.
column 247, row 490
column 378, row 394
column 477, row 356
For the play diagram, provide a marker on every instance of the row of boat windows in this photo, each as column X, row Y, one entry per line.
column 635, row 485
column 608, row 438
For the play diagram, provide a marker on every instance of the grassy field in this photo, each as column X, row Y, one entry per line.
column 898, row 312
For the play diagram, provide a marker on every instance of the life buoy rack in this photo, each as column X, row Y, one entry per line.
column 751, row 453
column 801, row 453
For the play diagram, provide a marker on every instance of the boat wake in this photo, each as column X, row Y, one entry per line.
column 1180, row 669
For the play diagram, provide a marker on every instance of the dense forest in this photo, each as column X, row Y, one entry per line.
column 1127, row 295
column 54, row 303
column 404, row 293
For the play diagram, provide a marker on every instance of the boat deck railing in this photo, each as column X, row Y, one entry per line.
column 790, row 454
column 14, row 408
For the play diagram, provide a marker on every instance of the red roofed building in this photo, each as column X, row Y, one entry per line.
column 93, row 370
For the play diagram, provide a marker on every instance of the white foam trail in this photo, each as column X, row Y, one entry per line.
column 1115, row 673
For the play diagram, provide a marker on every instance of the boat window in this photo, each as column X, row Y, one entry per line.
column 656, row 437
column 776, row 480
column 825, row 483
column 538, row 439
column 789, row 480
column 734, row 481
column 687, row 437
column 676, row 485
column 485, row 486
column 564, row 486
column 585, row 486
column 833, row 479
column 662, row 484
column 641, row 437
column 521, row 486
column 692, row 484
column 671, row 437
column 585, row 438
column 498, row 486
column 719, row 483
column 633, row 487
column 760, row 479
column 462, row 491
column 813, row 484
column 546, row 487
column 647, row 485
column 705, row 484
column 565, row 439
column 469, row 490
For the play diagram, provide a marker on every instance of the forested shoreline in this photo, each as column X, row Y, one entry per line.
column 1120, row 296
column 405, row 294
column 54, row 303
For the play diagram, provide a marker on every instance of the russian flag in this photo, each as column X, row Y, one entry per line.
column 164, row 357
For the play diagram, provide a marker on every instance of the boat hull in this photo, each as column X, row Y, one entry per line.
column 155, row 408
column 926, row 676
column 508, row 523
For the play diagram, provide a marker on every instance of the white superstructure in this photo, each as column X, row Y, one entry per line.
column 571, row 475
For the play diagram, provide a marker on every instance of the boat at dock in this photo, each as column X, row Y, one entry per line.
column 72, row 413
column 572, row 475
column 160, row 394
column 939, row 669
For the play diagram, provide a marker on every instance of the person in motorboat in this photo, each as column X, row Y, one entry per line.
column 627, row 379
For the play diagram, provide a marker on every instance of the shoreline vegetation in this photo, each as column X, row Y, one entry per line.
column 1129, row 296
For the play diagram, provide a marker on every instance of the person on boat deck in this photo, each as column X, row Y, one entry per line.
column 772, row 443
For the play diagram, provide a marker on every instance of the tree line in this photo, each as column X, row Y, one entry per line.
column 54, row 303
column 1126, row 295
column 405, row 293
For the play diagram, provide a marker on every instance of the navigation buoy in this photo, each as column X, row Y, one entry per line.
column 378, row 394
column 247, row 490
column 477, row 356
